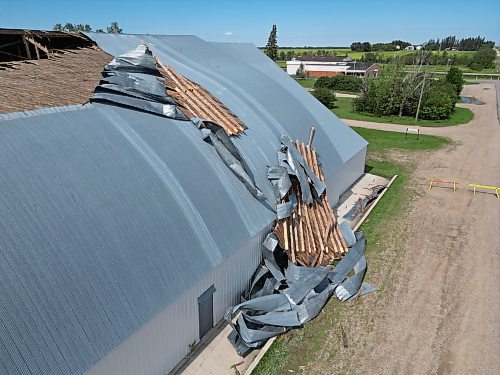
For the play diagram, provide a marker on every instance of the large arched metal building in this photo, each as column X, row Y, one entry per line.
column 123, row 235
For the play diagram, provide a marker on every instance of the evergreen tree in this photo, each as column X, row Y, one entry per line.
column 272, row 44
column 301, row 73
column 114, row 28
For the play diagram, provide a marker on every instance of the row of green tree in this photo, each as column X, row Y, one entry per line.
column 400, row 93
column 483, row 58
column 464, row 44
column 114, row 28
column 450, row 42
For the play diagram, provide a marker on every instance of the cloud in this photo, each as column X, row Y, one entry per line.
column 228, row 33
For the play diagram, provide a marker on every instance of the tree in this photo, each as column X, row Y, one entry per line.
column 325, row 96
column 366, row 47
column 70, row 27
column 272, row 44
column 483, row 58
column 114, row 28
column 436, row 106
column 81, row 27
column 455, row 78
column 99, row 31
column 301, row 73
column 356, row 46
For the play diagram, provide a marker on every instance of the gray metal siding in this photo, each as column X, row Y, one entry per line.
column 161, row 343
column 101, row 219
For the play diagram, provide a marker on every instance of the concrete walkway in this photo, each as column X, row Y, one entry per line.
column 215, row 355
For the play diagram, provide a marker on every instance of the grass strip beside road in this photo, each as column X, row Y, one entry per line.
column 343, row 109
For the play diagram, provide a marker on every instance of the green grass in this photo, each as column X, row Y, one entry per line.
column 464, row 69
column 307, row 82
column 281, row 64
column 380, row 141
column 344, row 110
column 300, row 347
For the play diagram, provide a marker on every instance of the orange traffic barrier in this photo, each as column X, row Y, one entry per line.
column 437, row 181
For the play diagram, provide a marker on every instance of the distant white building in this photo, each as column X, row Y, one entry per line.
column 319, row 66
column 413, row 48
column 329, row 66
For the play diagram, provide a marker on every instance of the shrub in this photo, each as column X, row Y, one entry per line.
column 437, row 106
column 443, row 85
column 483, row 58
column 455, row 78
column 325, row 96
column 340, row 83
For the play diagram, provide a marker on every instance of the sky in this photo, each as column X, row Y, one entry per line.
column 299, row 23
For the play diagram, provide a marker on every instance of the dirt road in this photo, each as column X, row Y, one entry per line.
column 443, row 312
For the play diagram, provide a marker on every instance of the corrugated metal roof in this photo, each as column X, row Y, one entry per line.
column 107, row 214
column 252, row 86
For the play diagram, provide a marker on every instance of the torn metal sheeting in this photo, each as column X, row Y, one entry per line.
column 278, row 176
column 231, row 157
column 317, row 183
column 347, row 233
column 303, row 294
column 132, row 80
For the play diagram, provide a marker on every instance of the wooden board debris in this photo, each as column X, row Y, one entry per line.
column 197, row 102
column 311, row 235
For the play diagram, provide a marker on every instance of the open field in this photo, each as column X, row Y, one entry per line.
column 433, row 255
column 344, row 110
column 359, row 55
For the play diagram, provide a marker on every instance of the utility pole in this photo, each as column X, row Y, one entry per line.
column 420, row 98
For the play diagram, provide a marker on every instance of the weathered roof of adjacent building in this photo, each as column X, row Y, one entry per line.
column 108, row 214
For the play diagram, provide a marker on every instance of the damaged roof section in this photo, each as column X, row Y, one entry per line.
column 133, row 80
column 197, row 102
column 67, row 77
column 16, row 44
column 138, row 80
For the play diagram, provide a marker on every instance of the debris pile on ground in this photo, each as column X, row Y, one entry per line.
column 297, row 276
column 306, row 228
column 361, row 205
column 283, row 296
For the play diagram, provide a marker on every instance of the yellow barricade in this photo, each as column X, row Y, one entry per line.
column 485, row 187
